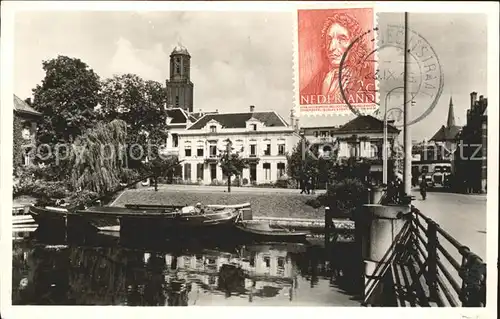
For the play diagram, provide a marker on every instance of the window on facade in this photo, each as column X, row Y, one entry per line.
column 177, row 100
column 425, row 169
column 332, row 133
column 253, row 149
column 267, row 261
column 187, row 151
column 187, row 171
column 213, row 150
column 199, row 151
column 213, row 129
column 316, row 133
column 254, row 127
column 324, row 133
column 175, row 140
column 281, row 169
column 267, row 171
column 267, row 150
column 281, row 149
column 199, row 171
column 26, row 133
column 26, row 158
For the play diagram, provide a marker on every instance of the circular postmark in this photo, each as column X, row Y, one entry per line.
column 425, row 76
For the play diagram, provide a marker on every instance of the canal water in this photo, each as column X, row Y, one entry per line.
column 105, row 272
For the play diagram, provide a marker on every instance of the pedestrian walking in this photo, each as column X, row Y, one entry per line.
column 303, row 186
column 423, row 188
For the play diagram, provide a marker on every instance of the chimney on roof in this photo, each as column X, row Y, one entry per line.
column 28, row 101
column 481, row 98
column 473, row 98
column 216, row 110
column 252, row 108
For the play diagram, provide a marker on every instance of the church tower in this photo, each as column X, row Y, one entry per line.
column 451, row 115
column 179, row 86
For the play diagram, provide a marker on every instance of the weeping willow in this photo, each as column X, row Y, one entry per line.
column 98, row 156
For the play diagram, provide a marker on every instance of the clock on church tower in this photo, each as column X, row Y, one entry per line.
column 179, row 86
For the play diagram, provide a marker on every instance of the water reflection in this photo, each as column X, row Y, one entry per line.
column 108, row 274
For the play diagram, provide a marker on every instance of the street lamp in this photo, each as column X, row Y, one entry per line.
column 384, row 150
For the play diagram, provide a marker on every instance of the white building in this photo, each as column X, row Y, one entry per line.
column 261, row 138
column 361, row 137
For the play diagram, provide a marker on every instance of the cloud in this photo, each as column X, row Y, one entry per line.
column 128, row 59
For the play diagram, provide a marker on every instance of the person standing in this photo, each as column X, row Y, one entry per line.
column 423, row 188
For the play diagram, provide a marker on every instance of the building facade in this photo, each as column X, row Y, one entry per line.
column 471, row 155
column 362, row 137
column 261, row 138
column 24, row 133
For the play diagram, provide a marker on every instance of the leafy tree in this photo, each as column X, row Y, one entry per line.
column 98, row 159
column 302, row 163
column 141, row 105
column 231, row 163
column 160, row 166
column 67, row 97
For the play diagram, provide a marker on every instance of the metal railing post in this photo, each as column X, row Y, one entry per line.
column 432, row 259
column 328, row 220
column 473, row 273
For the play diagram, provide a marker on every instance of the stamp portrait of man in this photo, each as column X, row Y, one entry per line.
column 338, row 32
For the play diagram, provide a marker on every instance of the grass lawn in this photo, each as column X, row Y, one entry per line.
column 270, row 204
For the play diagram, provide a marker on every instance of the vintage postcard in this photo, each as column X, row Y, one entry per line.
column 291, row 157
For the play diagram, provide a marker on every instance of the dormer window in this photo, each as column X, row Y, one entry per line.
column 213, row 129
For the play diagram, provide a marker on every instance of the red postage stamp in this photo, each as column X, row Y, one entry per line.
column 335, row 61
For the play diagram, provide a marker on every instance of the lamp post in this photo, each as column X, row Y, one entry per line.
column 384, row 150
column 406, row 114
column 229, row 147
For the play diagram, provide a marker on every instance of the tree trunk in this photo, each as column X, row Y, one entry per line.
column 156, row 183
column 229, row 183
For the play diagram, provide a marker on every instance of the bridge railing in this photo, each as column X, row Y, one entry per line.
column 392, row 254
column 454, row 275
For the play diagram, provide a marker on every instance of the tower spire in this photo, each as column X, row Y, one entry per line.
column 451, row 114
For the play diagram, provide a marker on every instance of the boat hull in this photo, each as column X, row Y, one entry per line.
column 254, row 233
column 137, row 224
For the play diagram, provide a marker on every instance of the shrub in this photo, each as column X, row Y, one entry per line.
column 283, row 183
column 245, row 181
column 314, row 203
column 344, row 196
column 129, row 175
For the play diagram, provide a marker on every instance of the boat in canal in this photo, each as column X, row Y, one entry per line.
column 261, row 231
column 140, row 217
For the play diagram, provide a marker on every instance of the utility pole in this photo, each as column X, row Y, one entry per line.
column 406, row 119
column 228, row 158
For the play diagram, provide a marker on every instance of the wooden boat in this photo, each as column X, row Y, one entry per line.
column 262, row 232
column 139, row 217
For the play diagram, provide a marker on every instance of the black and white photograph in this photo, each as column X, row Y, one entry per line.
column 161, row 157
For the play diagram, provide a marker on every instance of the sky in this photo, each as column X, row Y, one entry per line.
column 238, row 59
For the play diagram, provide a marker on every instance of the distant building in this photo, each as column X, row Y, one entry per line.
column 471, row 155
column 179, row 87
column 362, row 137
column 435, row 157
column 262, row 138
column 24, row 132
column 446, row 135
